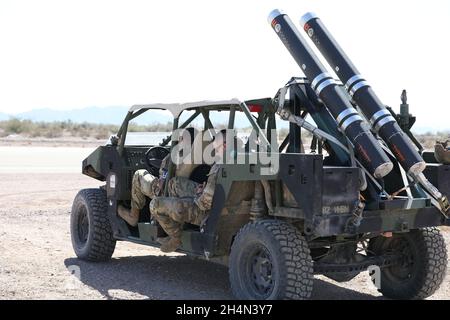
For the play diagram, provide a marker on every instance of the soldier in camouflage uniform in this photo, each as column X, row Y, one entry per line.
column 144, row 185
column 188, row 201
column 442, row 152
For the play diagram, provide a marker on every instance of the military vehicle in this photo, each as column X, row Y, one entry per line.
column 346, row 205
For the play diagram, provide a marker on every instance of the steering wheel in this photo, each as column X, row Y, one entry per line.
column 154, row 157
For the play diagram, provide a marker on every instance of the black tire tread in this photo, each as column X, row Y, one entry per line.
column 296, row 253
column 103, row 243
column 433, row 245
column 433, row 250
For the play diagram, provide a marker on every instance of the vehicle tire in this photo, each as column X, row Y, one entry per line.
column 423, row 266
column 270, row 260
column 91, row 233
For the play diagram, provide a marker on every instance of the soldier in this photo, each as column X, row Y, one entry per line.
column 144, row 184
column 442, row 152
column 189, row 202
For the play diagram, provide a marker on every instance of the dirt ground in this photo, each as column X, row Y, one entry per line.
column 37, row 261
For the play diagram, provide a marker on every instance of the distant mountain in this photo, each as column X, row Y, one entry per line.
column 111, row 115
column 108, row 115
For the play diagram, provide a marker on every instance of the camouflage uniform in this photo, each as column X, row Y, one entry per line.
column 145, row 184
column 184, row 205
column 442, row 152
column 182, row 187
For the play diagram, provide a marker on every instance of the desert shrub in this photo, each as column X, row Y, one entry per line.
column 158, row 127
column 102, row 133
column 87, row 130
column 16, row 126
column 428, row 139
column 52, row 133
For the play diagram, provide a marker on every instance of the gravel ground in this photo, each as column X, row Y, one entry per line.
column 37, row 261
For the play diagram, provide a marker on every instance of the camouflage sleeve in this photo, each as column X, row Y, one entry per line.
column 164, row 165
column 204, row 201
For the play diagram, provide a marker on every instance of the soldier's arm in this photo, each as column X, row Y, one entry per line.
column 204, row 201
column 164, row 166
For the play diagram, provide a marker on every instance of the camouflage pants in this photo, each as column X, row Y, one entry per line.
column 182, row 187
column 179, row 208
column 143, row 185
column 172, row 213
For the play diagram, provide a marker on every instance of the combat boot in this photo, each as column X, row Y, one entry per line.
column 162, row 240
column 130, row 216
column 171, row 245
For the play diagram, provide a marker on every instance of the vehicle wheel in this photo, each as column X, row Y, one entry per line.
column 269, row 260
column 92, row 237
column 422, row 268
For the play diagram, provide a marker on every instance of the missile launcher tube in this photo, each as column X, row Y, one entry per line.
column 363, row 95
column 366, row 147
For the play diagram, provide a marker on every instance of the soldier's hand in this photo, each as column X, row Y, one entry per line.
column 200, row 188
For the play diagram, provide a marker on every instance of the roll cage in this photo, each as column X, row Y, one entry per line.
column 263, row 108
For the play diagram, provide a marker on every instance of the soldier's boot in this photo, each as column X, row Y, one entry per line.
column 162, row 240
column 130, row 216
column 171, row 245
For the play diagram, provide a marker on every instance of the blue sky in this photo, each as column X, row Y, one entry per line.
column 74, row 54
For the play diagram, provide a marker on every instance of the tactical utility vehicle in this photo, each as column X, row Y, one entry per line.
column 276, row 231
column 361, row 195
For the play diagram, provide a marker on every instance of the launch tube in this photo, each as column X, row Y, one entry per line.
column 363, row 95
column 366, row 147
